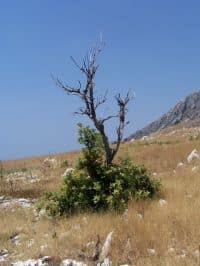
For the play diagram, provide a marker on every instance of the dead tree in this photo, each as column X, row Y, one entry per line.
column 86, row 93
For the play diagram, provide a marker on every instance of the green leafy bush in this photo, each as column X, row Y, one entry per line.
column 94, row 186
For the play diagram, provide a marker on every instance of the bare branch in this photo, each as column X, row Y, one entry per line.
column 67, row 88
column 109, row 117
column 122, row 103
column 102, row 101
column 91, row 104
column 75, row 63
column 80, row 86
column 82, row 111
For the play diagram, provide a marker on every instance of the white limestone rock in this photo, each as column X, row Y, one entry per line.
column 195, row 169
column 139, row 216
column 10, row 202
column 69, row 262
column 3, row 255
column 193, row 155
column 16, row 240
column 145, row 138
column 106, row 262
column 106, row 247
column 40, row 262
column 68, row 171
column 182, row 254
column 151, row 251
column 179, row 165
column 171, row 250
column 162, row 202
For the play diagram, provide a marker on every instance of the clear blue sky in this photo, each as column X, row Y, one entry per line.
column 152, row 47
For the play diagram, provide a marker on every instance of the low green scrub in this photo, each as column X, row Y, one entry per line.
column 94, row 186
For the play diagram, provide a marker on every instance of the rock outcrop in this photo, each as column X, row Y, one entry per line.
column 186, row 110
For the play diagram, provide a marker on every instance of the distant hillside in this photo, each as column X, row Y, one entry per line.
column 185, row 111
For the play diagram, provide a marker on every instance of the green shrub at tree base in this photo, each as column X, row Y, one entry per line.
column 93, row 186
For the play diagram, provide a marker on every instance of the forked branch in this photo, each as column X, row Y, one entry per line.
column 91, row 104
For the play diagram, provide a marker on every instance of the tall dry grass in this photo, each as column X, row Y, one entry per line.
column 171, row 230
column 36, row 161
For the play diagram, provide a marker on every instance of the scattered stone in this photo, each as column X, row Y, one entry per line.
column 22, row 177
column 90, row 244
column 151, row 251
column 146, row 138
column 37, row 215
column 182, row 254
column 40, row 262
column 193, row 155
column 35, row 180
column 50, row 162
column 139, row 216
column 106, row 247
column 154, row 174
column 15, row 239
column 3, row 254
column 10, row 202
column 195, row 168
column 171, row 250
column 67, row 172
column 106, row 262
column 69, row 262
column 42, row 213
column 162, row 202
column 180, row 165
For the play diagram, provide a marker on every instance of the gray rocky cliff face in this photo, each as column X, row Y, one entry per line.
column 187, row 109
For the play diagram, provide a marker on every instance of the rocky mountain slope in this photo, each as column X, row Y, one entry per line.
column 185, row 111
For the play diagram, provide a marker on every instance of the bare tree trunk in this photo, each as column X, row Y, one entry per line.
column 108, row 150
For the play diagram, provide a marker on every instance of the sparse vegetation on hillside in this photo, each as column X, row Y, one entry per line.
column 149, row 233
column 97, row 183
column 95, row 186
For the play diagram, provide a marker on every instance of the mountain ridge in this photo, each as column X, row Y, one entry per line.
column 186, row 110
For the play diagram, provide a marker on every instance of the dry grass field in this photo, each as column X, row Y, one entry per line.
column 151, row 233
